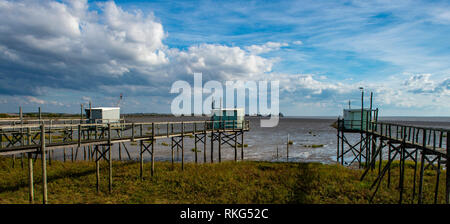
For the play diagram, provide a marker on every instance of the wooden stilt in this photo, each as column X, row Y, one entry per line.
column 110, row 158
column 204, row 142
column 30, row 178
column 242, row 145
column 220, row 146
column 415, row 176
column 212, row 142
column 447, row 171
column 235, row 146
column 141, row 156
column 172, row 148
column 44, row 166
column 422, row 162
column 182, row 145
column 97, row 169
column 438, row 173
column 153, row 150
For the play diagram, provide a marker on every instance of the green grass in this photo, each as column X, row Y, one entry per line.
column 227, row 182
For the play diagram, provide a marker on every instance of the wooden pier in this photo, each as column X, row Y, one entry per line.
column 41, row 137
column 385, row 142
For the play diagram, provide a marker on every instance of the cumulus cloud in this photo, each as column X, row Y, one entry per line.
column 220, row 62
column 65, row 45
column 65, row 42
column 33, row 99
column 267, row 47
column 62, row 46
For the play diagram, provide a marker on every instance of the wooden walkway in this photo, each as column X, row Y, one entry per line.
column 384, row 143
column 40, row 139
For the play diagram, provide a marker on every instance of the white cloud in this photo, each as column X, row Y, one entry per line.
column 32, row 99
column 69, row 37
column 267, row 47
column 219, row 62
column 298, row 42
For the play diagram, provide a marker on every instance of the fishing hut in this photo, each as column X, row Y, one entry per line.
column 228, row 118
column 375, row 145
column 103, row 114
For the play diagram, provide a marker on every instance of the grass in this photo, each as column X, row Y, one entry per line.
column 227, row 182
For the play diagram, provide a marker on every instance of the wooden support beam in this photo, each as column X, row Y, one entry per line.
column 415, row 176
column 110, row 159
column 97, row 169
column 447, row 171
column 44, row 165
column 337, row 145
column 182, row 145
column 235, row 146
column 152, row 169
column 204, row 142
column 30, row 178
column 422, row 164
column 287, row 148
column 242, row 145
column 220, row 146
column 172, row 149
column 141, row 156
column 212, row 142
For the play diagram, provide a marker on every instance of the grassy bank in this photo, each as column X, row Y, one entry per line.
column 228, row 182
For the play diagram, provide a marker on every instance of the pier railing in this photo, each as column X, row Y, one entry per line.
column 20, row 138
column 426, row 147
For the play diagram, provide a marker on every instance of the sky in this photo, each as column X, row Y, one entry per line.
column 59, row 54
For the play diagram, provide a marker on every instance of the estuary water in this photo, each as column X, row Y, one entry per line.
column 313, row 140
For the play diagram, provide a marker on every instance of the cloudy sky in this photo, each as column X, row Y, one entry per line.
column 58, row 54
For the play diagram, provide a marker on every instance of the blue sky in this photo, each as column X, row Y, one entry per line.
column 58, row 54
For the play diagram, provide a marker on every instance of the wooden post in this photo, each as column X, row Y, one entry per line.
column 195, row 142
column 415, row 175
column 152, row 170
column 204, row 143
column 422, row 163
column 220, row 146
column 447, row 171
column 337, row 145
column 242, row 145
column 109, row 158
column 360, row 145
column 287, row 148
column 141, row 156
column 277, row 153
column 212, row 142
column 30, row 177
column 235, row 145
column 97, row 169
column 182, row 145
column 30, row 168
column 44, row 166
column 171, row 148
column 402, row 164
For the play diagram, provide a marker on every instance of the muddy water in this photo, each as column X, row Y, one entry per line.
column 263, row 142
